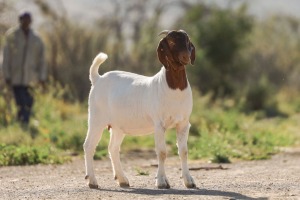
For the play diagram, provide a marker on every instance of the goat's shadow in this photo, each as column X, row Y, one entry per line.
column 186, row 192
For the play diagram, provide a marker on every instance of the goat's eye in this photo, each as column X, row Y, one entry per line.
column 189, row 43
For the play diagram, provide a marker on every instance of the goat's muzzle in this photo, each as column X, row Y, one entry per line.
column 184, row 58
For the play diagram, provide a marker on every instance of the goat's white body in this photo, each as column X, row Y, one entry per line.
column 135, row 105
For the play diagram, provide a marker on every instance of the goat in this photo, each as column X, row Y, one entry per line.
column 133, row 104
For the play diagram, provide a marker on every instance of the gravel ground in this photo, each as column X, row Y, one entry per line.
column 277, row 178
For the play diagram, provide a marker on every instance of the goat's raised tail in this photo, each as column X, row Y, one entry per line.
column 98, row 60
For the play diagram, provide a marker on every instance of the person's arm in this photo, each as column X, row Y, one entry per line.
column 7, row 60
column 42, row 64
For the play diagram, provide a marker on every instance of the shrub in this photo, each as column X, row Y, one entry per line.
column 219, row 36
column 29, row 155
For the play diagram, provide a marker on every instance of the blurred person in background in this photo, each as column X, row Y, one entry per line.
column 23, row 65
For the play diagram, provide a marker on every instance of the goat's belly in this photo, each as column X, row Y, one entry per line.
column 135, row 126
column 138, row 131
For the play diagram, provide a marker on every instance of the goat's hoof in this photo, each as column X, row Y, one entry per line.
column 124, row 185
column 163, row 184
column 189, row 182
column 166, row 186
column 92, row 182
column 122, row 181
column 193, row 185
column 92, row 186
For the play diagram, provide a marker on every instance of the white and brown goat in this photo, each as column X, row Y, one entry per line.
column 133, row 104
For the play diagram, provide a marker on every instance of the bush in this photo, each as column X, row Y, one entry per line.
column 261, row 96
column 219, row 36
column 29, row 155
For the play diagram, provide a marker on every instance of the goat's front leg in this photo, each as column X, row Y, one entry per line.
column 160, row 147
column 182, row 137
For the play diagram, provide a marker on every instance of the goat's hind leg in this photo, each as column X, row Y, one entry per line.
column 116, row 138
column 93, row 137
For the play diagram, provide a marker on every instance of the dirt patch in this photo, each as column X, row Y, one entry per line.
column 277, row 178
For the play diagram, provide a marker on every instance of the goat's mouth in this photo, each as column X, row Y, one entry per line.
column 185, row 62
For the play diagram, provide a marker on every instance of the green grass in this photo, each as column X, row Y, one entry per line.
column 221, row 132
column 29, row 155
column 141, row 172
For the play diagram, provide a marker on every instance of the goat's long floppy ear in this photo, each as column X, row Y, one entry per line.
column 163, row 52
column 193, row 54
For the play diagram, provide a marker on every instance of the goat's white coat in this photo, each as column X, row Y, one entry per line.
column 136, row 105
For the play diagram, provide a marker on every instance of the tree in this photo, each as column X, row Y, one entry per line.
column 219, row 36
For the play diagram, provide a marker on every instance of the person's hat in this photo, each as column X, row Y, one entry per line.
column 24, row 15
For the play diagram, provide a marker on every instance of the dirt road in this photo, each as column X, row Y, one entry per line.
column 277, row 178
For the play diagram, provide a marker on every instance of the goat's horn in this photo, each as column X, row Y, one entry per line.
column 164, row 32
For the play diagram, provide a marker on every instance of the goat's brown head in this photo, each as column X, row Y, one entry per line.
column 175, row 50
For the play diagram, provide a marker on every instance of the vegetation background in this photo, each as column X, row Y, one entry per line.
column 245, row 80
